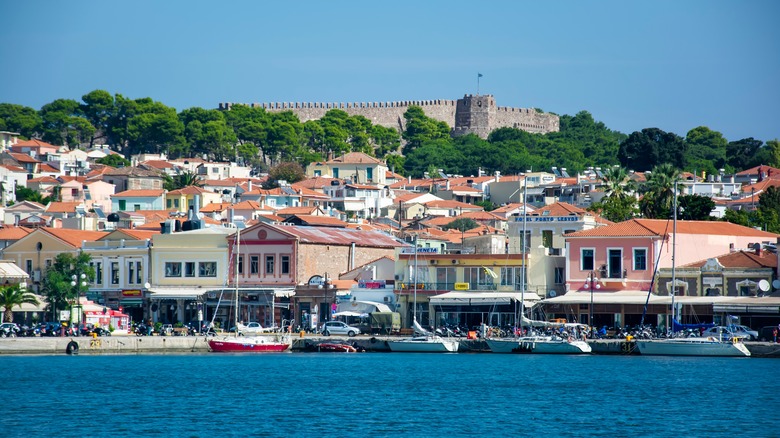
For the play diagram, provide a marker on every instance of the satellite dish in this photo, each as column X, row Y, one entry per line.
column 763, row 285
column 552, row 294
column 776, row 284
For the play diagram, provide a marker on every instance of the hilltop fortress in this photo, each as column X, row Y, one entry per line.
column 476, row 114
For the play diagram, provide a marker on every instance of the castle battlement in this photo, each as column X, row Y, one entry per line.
column 474, row 113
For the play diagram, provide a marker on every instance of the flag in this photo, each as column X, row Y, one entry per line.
column 479, row 75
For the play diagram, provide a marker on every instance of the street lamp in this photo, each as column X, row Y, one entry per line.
column 593, row 282
column 78, row 285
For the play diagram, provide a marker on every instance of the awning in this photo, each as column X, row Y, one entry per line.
column 176, row 293
column 619, row 297
column 483, row 298
column 9, row 271
column 349, row 313
column 360, row 307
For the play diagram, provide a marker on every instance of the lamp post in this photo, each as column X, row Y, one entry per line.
column 593, row 283
column 77, row 285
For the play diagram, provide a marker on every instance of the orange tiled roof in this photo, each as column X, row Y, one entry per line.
column 34, row 143
column 139, row 194
column 297, row 211
column 743, row 259
column 62, row 207
column 443, row 203
column 13, row 233
column 23, row 158
column 317, row 220
column 215, row 207
column 74, row 237
column 354, row 158
column 559, row 209
column 47, row 168
column 189, row 190
column 660, row 227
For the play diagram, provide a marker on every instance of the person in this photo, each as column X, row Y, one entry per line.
column 774, row 335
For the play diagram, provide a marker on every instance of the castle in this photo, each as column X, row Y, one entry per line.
column 476, row 114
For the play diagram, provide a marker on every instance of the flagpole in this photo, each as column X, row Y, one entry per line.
column 478, row 76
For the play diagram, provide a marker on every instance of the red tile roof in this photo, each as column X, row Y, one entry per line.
column 13, row 233
column 139, row 194
column 354, row 158
column 62, row 207
column 338, row 236
column 74, row 237
column 660, row 227
column 743, row 259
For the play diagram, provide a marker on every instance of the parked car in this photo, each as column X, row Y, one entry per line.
column 339, row 328
column 9, row 330
column 727, row 333
column 745, row 329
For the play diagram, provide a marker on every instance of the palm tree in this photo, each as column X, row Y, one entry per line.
column 181, row 180
column 617, row 183
column 659, row 192
column 12, row 295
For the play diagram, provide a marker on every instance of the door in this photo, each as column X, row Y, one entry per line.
column 615, row 259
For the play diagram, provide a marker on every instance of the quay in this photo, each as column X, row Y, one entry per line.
column 127, row 344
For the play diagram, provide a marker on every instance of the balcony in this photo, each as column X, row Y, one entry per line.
column 406, row 286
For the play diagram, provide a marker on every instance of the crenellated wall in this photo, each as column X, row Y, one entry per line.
column 473, row 113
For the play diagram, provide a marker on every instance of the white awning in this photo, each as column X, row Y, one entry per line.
column 176, row 293
column 483, row 298
column 9, row 271
column 360, row 307
column 619, row 297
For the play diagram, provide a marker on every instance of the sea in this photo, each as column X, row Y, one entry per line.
column 387, row 395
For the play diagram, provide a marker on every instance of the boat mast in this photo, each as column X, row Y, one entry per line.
column 235, row 290
column 414, row 309
column 522, row 252
column 674, row 249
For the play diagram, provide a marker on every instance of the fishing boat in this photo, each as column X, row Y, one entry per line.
column 690, row 346
column 236, row 342
column 423, row 341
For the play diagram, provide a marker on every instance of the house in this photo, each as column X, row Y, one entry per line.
column 132, row 178
column 357, row 167
column 34, row 148
column 16, row 213
column 132, row 200
column 11, row 177
column 186, row 198
column 36, row 251
column 8, row 139
column 619, row 261
column 25, row 161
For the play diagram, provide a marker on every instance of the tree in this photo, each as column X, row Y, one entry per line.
column 98, row 109
column 773, row 149
column 17, row 118
column 695, row 207
column 615, row 209
column 619, row 204
column 181, row 180
column 290, row 172
column 421, row 128
column 25, row 194
column 746, row 153
column 659, row 192
column 462, row 224
column 643, row 150
column 113, row 160
column 706, row 149
column 769, row 210
column 12, row 295
column 63, row 123
column 56, row 285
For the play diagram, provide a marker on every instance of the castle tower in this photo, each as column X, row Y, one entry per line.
column 475, row 114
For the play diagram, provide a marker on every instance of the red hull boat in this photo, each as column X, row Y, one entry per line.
column 252, row 345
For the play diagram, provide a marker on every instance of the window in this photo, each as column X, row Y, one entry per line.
column 369, row 173
column 139, row 272
column 98, row 272
column 269, row 265
column 241, row 265
column 559, row 276
column 587, row 259
column 122, row 205
column 615, row 260
column 547, row 238
column 114, row 272
column 136, row 207
column 445, row 278
column 173, row 269
column 169, row 203
column 28, row 266
column 335, row 172
column 285, row 264
column 254, row 264
column 130, row 272
column 176, row 204
column 189, row 269
column 512, row 277
column 478, row 278
column 640, row 259
column 207, row 269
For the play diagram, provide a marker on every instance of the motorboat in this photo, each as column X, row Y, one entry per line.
column 332, row 347
column 256, row 344
column 539, row 345
column 424, row 344
column 695, row 346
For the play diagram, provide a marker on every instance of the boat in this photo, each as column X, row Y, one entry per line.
column 695, row 346
column 422, row 341
column 237, row 343
column 688, row 346
column 567, row 342
column 332, row 347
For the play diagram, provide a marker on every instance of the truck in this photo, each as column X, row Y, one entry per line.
column 384, row 323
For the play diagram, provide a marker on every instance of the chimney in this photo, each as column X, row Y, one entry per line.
column 731, row 247
column 757, row 247
column 249, row 185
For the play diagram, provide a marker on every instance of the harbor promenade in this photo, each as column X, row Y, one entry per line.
column 130, row 344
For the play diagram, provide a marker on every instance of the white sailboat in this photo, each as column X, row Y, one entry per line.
column 250, row 344
column 423, row 341
column 552, row 344
column 695, row 346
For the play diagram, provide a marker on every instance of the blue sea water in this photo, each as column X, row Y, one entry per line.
column 386, row 394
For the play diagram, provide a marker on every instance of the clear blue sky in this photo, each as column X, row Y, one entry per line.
column 670, row 64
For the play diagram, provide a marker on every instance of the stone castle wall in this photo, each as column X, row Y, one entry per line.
column 478, row 114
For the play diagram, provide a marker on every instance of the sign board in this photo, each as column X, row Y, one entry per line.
column 131, row 293
column 64, row 315
column 461, row 286
column 712, row 281
column 420, row 251
column 547, row 218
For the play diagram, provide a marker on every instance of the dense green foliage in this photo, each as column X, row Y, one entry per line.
column 56, row 285
column 11, row 296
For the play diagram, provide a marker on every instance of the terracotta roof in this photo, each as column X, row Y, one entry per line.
column 247, row 205
column 62, row 207
column 215, row 207
column 141, row 234
column 47, row 168
column 133, row 171
column 559, row 209
column 362, row 186
column 463, row 188
column 23, row 158
column 158, row 164
column 13, row 233
column 660, row 227
column 69, row 178
column 47, row 179
column 743, row 259
column 189, row 190
column 34, row 143
column 338, row 236
column 308, row 193
column 139, row 194
column 481, row 216
column 760, row 168
column 14, row 168
column 354, row 158
column 317, row 182
column 74, row 237
column 297, row 210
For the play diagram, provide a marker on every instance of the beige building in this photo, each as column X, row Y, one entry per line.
column 358, row 167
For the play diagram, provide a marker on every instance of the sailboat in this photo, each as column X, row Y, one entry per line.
column 423, row 340
column 560, row 343
column 694, row 346
column 255, row 344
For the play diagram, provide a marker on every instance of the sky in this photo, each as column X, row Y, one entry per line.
column 669, row 64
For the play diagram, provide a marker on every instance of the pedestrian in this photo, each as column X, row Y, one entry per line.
column 774, row 335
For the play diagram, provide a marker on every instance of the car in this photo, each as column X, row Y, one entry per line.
column 727, row 333
column 252, row 328
column 339, row 328
column 745, row 329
